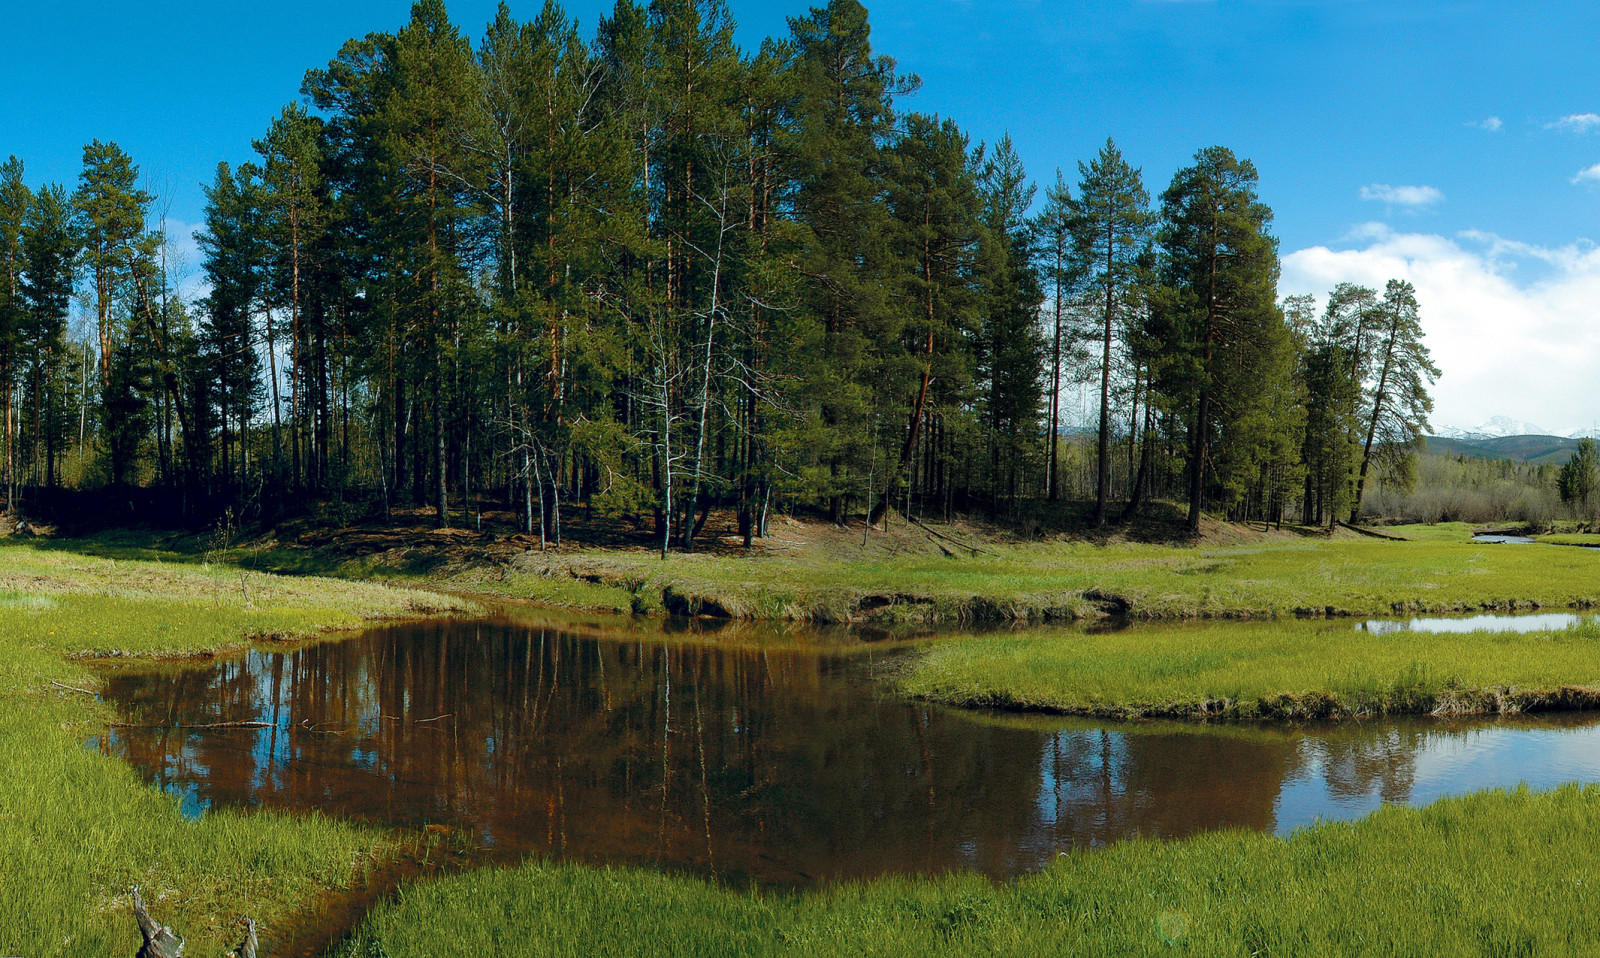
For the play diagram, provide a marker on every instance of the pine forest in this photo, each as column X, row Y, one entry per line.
column 642, row 272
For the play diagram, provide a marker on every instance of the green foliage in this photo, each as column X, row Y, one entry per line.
column 1579, row 480
column 763, row 284
column 1217, row 319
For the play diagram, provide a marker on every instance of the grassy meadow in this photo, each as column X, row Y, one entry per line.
column 78, row 829
column 1494, row 873
column 1491, row 873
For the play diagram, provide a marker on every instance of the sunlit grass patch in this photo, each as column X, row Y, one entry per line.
column 1291, row 669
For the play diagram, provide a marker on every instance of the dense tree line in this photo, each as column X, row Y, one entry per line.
column 655, row 274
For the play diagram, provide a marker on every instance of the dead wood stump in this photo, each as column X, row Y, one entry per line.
column 161, row 942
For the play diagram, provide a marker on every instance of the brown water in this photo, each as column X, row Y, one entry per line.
column 780, row 766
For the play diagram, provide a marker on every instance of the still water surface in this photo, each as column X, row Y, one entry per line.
column 780, row 766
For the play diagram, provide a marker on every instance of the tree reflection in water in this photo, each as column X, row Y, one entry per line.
column 782, row 767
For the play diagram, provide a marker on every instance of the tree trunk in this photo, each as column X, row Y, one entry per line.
column 1378, row 399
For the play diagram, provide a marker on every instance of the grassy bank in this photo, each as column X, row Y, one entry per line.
column 1489, row 874
column 817, row 572
column 1274, row 578
column 78, row 829
column 1588, row 539
column 1288, row 670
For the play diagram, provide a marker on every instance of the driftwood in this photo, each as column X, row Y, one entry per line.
column 161, row 942
column 73, row 688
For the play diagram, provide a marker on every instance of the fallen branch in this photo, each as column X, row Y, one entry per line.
column 74, row 688
column 971, row 548
column 1375, row 535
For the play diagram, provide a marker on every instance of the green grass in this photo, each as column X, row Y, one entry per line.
column 1436, row 532
column 78, row 829
column 899, row 578
column 1271, row 579
column 1498, row 873
column 1291, row 670
column 1571, row 539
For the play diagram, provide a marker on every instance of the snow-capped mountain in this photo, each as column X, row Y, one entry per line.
column 1496, row 428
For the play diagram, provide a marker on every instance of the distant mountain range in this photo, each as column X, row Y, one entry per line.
column 1537, row 450
column 1505, row 438
column 1501, row 427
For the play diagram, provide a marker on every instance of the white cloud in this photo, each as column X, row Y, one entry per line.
column 1576, row 123
column 1506, row 346
column 1411, row 197
column 1490, row 123
column 1589, row 174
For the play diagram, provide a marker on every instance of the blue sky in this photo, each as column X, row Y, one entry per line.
column 1444, row 142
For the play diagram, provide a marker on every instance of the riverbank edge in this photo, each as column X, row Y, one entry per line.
column 602, row 584
column 1286, row 708
column 1235, row 573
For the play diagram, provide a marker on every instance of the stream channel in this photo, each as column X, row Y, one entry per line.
column 764, row 756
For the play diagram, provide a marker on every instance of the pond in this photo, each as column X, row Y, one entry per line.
column 782, row 766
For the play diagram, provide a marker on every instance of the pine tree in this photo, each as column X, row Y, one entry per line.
column 1063, row 273
column 235, row 255
column 1329, row 372
column 844, row 116
column 1397, row 401
column 291, row 180
column 50, row 248
column 1012, row 350
column 938, row 238
column 429, row 67
column 1579, row 478
column 1218, row 313
column 15, row 199
column 111, row 214
column 1110, row 227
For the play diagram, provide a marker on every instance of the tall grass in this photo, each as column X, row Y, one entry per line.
column 1498, row 873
